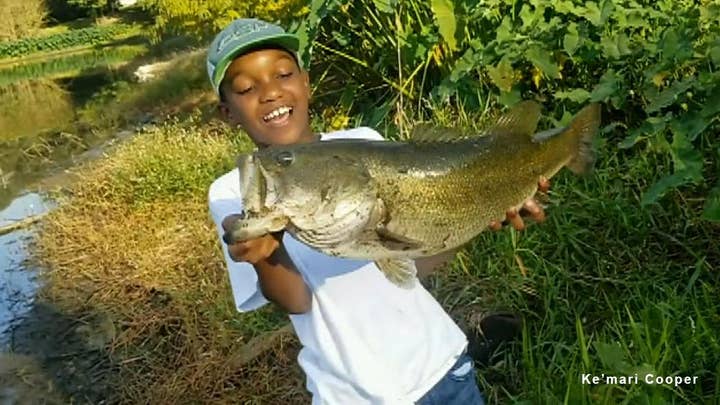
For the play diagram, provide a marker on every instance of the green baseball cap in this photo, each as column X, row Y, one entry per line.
column 240, row 36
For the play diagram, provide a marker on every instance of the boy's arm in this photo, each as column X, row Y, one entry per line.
column 279, row 279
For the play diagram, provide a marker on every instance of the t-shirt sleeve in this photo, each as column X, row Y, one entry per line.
column 223, row 200
column 355, row 133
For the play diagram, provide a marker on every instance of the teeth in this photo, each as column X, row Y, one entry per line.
column 276, row 113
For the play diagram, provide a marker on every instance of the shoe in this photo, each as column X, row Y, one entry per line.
column 493, row 329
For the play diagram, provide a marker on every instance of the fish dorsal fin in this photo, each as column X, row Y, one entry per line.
column 521, row 119
column 426, row 132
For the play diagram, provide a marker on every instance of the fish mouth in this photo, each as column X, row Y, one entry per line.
column 257, row 188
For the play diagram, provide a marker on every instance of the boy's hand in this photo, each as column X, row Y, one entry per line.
column 251, row 250
column 531, row 208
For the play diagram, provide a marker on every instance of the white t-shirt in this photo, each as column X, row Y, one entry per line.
column 365, row 340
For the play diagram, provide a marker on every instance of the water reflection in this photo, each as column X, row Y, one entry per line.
column 39, row 104
column 18, row 282
column 29, row 107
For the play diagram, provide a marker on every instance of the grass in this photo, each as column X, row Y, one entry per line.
column 182, row 88
column 604, row 285
column 134, row 240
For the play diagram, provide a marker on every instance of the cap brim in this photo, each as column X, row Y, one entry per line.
column 287, row 41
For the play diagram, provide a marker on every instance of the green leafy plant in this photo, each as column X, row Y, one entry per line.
column 85, row 36
column 654, row 66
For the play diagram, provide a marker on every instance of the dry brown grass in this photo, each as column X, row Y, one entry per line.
column 133, row 241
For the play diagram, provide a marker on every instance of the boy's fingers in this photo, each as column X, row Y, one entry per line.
column 543, row 184
column 515, row 219
column 535, row 211
column 495, row 225
column 237, row 251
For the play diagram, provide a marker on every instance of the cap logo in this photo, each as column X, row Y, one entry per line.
column 241, row 31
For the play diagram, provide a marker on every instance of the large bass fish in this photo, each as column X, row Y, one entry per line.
column 392, row 202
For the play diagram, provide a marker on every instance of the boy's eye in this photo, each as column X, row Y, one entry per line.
column 244, row 90
column 285, row 75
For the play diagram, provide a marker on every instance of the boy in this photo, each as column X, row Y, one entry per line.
column 365, row 341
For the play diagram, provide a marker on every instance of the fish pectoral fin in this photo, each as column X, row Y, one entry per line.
column 401, row 272
column 521, row 119
column 396, row 242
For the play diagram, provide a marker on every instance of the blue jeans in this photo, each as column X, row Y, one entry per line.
column 457, row 387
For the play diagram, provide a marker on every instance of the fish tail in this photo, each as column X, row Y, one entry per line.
column 583, row 128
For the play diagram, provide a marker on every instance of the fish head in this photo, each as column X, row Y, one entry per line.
column 309, row 183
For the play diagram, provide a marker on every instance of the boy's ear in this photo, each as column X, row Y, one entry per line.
column 224, row 111
column 306, row 81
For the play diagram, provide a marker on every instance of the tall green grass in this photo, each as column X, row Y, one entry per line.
column 606, row 286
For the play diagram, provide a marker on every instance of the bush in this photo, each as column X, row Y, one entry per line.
column 203, row 19
column 654, row 66
column 85, row 36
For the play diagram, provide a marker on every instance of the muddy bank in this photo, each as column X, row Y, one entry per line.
column 57, row 358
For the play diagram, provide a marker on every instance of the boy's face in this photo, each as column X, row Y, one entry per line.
column 267, row 94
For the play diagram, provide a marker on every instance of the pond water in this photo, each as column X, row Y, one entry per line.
column 39, row 138
column 18, row 280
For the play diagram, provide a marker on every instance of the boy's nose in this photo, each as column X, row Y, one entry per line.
column 270, row 92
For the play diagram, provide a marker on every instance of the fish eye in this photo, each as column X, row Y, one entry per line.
column 284, row 158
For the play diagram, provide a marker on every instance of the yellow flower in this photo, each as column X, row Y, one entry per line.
column 536, row 77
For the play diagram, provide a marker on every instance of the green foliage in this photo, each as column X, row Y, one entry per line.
column 81, row 37
column 124, row 103
column 654, row 66
column 69, row 65
column 94, row 6
column 604, row 287
column 203, row 19
column 189, row 160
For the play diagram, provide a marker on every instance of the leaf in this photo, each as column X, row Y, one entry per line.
column 686, row 158
column 630, row 140
column 675, row 47
column 615, row 46
column 502, row 75
column 607, row 8
column 687, row 162
column 712, row 103
column 575, row 95
column 527, row 16
column 444, row 11
column 509, row 98
column 504, row 32
column 659, row 100
column 662, row 186
column 651, row 126
column 592, row 13
column 609, row 47
column 612, row 356
column 689, row 125
column 564, row 7
column 609, row 84
column 571, row 39
column 385, row 6
column 711, row 209
column 540, row 57
column 715, row 55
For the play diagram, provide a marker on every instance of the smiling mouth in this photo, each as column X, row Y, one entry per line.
column 279, row 115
